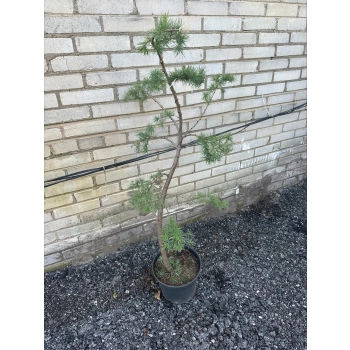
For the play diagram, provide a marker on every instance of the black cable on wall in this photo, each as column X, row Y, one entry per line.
column 82, row 173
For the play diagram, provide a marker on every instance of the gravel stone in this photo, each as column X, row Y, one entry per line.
column 251, row 293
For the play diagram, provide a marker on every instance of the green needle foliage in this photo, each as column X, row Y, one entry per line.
column 168, row 34
column 195, row 77
column 174, row 238
column 146, row 196
column 212, row 200
column 218, row 83
column 215, row 147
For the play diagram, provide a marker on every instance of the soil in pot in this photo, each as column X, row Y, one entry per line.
column 185, row 268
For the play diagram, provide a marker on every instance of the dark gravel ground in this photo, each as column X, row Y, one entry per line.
column 251, row 293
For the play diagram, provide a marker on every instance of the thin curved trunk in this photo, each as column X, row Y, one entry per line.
column 171, row 172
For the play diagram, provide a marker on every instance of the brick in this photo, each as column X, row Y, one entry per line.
column 197, row 97
column 115, row 139
column 115, row 198
column 90, row 143
column 119, row 7
column 234, row 175
column 195, row 176
column 291, row 24
column 246, row 8
column 126, row 123
column 251, row 162
column 190, row 159
column 77, row 208
column 200, row 40
column 78, row 230
column 297, row 62
column 287, row 75
column 166, row 102
column 220, row 107
column 298, row 37
column 259, row 23
column 222, row 23
column 242, row 67
column 67, row 161
column 263, row 150
column 64, row 146
column 273, row 64
column 133, row 59
column 58, row 201
column 111, row 78
column 159, row 164
column 194, row 55
column 211, row 68
column 49, row 238
column 252, row 144
column 115, row 109
column 102, row 43
column 210, row 8
column 50, row 101
column 270, row 89
column 113, row 152
column 300, row 95
column 71, row 63
column 239, row 39
column 257, row 52
column 146, row 7
column 286, row 118
column 273, row 38
column 52, row 134
column 65, row 115
column 117, row 174
column 290, row 50
column 63, row 82
column 86, row 96
column 58, row 45
column 223, row 54
column 128, row 24
column 250, row 103
column 52, row 259
column 282, row 136
column 282, row 10
column 210, row 182
column 301, row 132
column 302, row 11
column 58, row 6
column 227, row 168
column 304, row 73
column 189, row 23
column 46, row 68
column 89, row 127
column 296, row 85
column 102, row 191
column 239, row 92
column 294, row 125
column 279, row 99
column 47, row 151
column 71, row 24
column 59, row 224
column 237, row 157
column 257, row 78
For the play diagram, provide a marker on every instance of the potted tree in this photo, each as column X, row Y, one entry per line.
column 177, row 266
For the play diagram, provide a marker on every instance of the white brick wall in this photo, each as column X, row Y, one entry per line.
column 90, row 60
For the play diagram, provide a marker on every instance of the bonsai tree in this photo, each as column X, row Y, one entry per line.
column 150, row 195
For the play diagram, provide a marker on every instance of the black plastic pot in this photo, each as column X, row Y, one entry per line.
column 179, row 294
